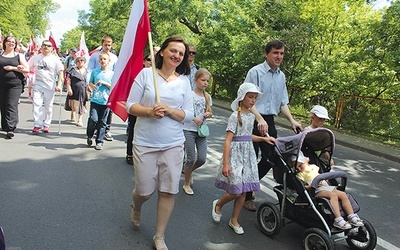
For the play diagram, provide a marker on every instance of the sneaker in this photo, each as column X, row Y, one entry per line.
column 89, row 141
column 46, row 130
column 99, row 146
column 35, row 130
column 355, row 220
column 108, row 137
column 10, row 134
column 341, row 223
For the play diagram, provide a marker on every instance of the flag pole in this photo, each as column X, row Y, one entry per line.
column 153, row 66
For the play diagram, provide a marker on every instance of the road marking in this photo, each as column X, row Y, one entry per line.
column 267, row 183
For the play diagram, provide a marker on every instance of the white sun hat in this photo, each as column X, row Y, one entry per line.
column 242, row 91
column 320, row 112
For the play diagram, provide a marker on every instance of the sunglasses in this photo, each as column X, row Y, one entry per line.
column 148, row 59
column 47, row 45
column 192, row 52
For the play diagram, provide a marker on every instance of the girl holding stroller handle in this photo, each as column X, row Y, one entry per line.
column 238, row 172
column 307, row 172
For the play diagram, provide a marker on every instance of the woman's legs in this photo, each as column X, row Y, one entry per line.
column 138, row 201
column 165, row 205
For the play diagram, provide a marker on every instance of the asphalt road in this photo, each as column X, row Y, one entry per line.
column 58, row 193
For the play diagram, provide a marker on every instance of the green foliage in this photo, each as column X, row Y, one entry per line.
column 336, row 49
column 24, row 18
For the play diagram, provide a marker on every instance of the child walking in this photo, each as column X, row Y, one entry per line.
column 238, row 172
column 307, row 172
column 99, row 84
column 202, row 110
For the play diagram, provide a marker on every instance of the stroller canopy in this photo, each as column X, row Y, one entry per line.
column 319, row 139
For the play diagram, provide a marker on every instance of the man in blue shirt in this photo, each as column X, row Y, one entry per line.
column 271, row 82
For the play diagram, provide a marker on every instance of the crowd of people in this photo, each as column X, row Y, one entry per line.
column 164, row 140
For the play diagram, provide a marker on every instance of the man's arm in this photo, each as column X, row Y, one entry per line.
column 286, row 112
column 262, row 124
column 60, row 80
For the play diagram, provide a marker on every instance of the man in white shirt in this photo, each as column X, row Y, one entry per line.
column 49, row 73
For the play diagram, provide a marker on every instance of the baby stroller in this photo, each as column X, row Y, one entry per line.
column 300, row 205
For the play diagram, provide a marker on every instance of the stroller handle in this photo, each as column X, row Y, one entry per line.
column 330, row 175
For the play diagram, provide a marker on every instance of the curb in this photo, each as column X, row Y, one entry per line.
column 343, row 139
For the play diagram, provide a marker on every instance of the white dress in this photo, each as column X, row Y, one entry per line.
column 242, row 158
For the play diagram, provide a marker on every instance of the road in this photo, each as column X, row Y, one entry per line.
column 57, row 193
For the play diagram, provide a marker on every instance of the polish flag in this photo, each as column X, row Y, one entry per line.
column 32, row 46
column 83, row 49
column 94, row 51
column 130, row 61
column 53, row 41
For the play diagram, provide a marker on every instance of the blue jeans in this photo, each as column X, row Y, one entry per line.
column 97, row 121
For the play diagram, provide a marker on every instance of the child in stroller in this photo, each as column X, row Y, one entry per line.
column 307, row 172
column 301, row 205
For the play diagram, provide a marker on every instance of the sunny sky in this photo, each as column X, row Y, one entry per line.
column 66, row 18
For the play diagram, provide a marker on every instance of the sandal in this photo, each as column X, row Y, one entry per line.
column 355, row 220
column 129, row 159
column 135, row 218
column 159, row 243
column 341, row 223
column 249, row 205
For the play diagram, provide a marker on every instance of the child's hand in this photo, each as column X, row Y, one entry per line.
column 198, row 121
column 270, row 140
column 207, row 114
column 92, row 86
column 226, row 170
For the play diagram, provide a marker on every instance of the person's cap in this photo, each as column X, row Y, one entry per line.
column 242, row 91
column 320, row 112
column 74, row 50
column 301, row 158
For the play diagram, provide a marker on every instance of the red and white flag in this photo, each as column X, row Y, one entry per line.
column 95, row 50
column 130, row 61
column 53, row 41
column 83, row 49
column 32, row 45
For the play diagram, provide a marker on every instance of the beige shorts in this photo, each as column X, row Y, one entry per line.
column 157, row 169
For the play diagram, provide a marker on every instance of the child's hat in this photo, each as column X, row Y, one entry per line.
column 320, row 112
column 242, row 91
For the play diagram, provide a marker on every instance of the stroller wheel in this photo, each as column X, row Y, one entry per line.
column 362, row 237
column 317, row 239
column 269, row 219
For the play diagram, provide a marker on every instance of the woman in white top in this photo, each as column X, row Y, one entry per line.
column 158, row 148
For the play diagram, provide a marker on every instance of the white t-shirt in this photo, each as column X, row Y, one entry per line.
column 46, row 70
column 177, row 94
column 200, row 103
